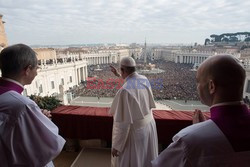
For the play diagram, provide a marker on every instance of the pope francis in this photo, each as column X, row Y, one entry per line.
column 134, row 136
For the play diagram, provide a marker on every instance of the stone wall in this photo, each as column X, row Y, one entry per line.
column 45, row 53
column 3, row 38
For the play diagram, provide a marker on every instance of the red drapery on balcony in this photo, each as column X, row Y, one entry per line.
column 95, row 122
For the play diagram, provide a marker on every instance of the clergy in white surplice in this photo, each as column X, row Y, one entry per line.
column 223, row 140
column 27, row 137
column 134, row 135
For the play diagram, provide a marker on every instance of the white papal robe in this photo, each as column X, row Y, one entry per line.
column 27, row 137
column 201, row 145
column 134, row 131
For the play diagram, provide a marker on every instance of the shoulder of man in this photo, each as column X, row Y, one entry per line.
column 17, row 105
column 20, row 101
column 140, row 76
column 196, row 133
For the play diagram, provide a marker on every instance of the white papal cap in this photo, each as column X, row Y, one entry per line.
column 128, row 62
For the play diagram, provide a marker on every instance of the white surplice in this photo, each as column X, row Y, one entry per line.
column 134, row 131
column 201, row 145
column 27, row 137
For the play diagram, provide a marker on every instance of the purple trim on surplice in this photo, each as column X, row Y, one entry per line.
column 234, row 122
column 6, row 86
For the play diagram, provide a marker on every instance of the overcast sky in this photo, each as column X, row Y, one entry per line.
column 49, row 22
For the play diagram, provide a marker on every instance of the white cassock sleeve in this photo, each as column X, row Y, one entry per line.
column 151, row 100
column 122, row 120
column 33, row 139
column 173, row 156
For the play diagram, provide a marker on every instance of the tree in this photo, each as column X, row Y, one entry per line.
column 207, row 41
column 233, row 39
column 133, row 56
column 217, row 38
column 225, row 39
column 247, row 39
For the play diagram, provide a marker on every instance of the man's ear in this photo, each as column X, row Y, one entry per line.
column 27, row 70
column 211, row 87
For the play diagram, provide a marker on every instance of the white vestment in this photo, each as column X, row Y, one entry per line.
column 201, row 145
column 134, row 131
column 27, row 137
